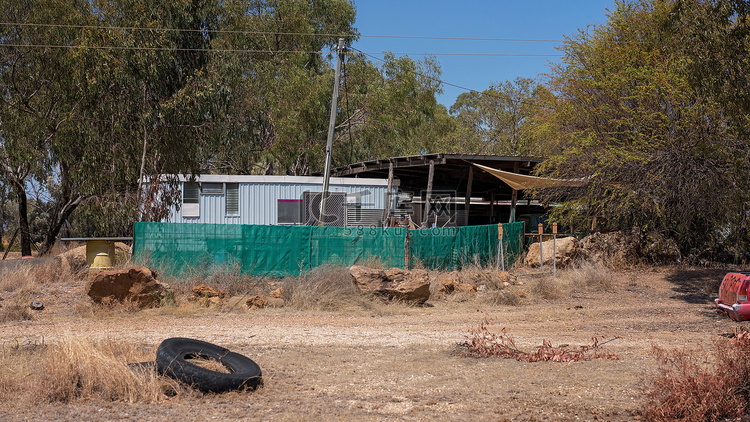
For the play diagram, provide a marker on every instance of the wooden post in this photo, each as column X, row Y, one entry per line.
column 429, row 193
column 514, row 197
column 492, row 206
column 467, row 200
column 388, row 196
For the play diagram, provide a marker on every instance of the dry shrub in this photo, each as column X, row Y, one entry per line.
column 587, row 277
column 590, row 276
column 484, row 343
column 325, row 288
column 20, row 279
column 77, row 369
column 15, row 311
column 508, row 297
column 551, row 288
column 690, row 386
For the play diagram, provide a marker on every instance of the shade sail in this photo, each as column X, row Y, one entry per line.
column 522, row 181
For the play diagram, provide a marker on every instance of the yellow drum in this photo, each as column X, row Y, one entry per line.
column 100, row 254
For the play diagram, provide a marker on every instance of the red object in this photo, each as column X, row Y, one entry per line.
column 733, row 296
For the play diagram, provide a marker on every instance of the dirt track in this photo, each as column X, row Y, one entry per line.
column 401, row 364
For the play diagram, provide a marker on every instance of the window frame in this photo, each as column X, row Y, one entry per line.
column 236, row 189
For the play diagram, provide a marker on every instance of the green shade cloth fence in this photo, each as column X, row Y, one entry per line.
column 179, row 248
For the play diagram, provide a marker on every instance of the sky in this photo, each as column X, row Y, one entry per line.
column 380, row 22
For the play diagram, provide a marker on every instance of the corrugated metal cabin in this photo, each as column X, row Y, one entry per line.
column 228, row 199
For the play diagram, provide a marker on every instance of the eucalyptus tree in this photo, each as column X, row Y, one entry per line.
column 38, row 98
column 660, row 152
column 496, row 118
column 95, row 94
column 279, row 78
column 389, row 108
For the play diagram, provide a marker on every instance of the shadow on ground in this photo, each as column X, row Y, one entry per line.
column 696, row 285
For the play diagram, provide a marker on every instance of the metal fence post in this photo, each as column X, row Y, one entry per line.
column 500, row 252
column 541, row 257
column 554, row 249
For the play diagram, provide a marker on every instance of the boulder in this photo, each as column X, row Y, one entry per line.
column 398, row 284
column 566, row 251
column 257, row 302
column 368, row 279
column 467, row 289
column 202, row 290
column 447, row 282
column 278, row 293
column 408, row 285
column 137, row 285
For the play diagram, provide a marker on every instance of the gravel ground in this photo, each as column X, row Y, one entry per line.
column 400, row 363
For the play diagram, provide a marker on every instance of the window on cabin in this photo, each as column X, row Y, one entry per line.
column 190, row 199
column 212, row 188
column 232, row 199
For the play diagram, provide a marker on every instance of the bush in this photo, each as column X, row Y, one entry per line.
column 693, row 387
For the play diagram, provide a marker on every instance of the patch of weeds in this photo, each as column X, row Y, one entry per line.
column 693, row 386
column 505, row 297
column 484, row 343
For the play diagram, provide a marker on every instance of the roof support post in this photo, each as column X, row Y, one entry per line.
column 429, row 193
column 467, row 200
column 388, row 196
column 514, row 197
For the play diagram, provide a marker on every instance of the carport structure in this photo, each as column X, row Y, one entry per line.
column 449, row 190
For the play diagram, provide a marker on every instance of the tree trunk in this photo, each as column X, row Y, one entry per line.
column 23, row 220
column 61, row 215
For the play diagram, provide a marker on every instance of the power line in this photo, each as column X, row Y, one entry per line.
column 233, row 50
column 248, row 32
column 420, row 74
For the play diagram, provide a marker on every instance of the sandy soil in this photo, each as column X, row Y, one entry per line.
column 400, row 364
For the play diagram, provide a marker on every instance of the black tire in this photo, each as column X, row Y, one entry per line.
column 173, row 359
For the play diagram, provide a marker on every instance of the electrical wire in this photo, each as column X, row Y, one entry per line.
column 225, row 31
column 419, row 73
column 233, row 50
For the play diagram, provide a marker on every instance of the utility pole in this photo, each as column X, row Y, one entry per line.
column 331, row 127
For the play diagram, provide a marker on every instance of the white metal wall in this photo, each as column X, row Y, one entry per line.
column 258, row 196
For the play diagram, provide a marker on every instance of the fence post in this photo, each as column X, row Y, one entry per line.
column 554, row 249
column 541, row 258
column 406, row 250
column 500, row 254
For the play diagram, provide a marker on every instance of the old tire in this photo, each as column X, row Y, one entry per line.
column 173, row 359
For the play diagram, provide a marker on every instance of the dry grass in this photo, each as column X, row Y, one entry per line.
column 694, row 386
column 78, row 369
column 585, row 278
column 325, row 289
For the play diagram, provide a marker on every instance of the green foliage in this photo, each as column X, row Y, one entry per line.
column 661, row 152
column 495, row 120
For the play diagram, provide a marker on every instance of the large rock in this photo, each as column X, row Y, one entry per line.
column 564, row 250
column 406, row 285
column 136, row 285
